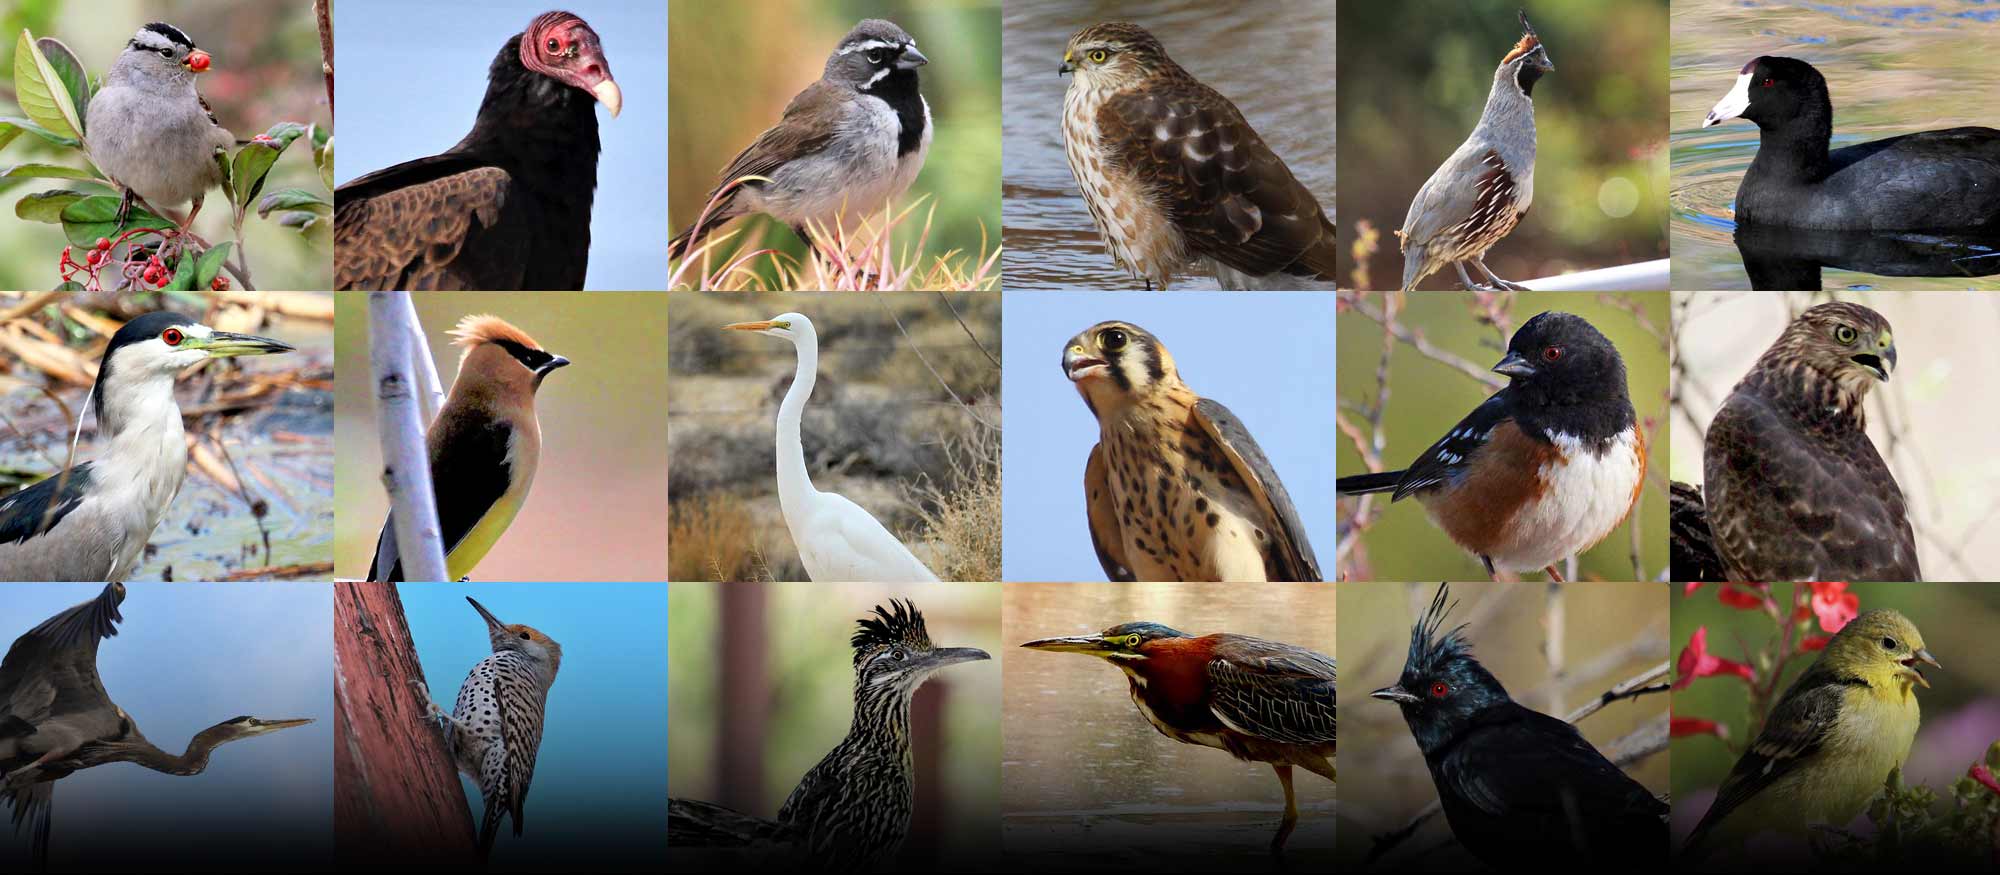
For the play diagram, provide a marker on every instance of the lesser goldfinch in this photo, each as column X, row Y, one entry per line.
column 1831, row 741
column 1520, row 789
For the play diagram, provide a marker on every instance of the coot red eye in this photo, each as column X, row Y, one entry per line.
column 1439, row 689
column 172, row 336
column 1553, row 353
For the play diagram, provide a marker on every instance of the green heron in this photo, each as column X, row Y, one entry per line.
column 851, row 812
column 1262, row 701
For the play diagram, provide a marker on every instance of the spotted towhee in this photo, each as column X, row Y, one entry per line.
column 1545, row 468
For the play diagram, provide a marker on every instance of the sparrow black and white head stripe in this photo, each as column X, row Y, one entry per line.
column 161, row 35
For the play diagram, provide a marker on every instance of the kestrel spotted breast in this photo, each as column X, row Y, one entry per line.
column 1176, row 179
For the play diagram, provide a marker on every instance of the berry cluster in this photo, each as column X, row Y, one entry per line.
column 143, row 268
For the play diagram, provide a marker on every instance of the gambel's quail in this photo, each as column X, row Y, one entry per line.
column 1480, row 193
column 149, row 131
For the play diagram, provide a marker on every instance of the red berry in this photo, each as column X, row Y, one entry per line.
column 220, row 284
column 95, row 257
column 103, row 243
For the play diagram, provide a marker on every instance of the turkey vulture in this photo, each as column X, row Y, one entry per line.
column 509, row 206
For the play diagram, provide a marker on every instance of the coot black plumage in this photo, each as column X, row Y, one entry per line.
column 1931, row 180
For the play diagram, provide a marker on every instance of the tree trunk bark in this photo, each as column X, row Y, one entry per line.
column 397, row 797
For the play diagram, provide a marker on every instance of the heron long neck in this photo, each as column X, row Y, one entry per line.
column 794, row 484
column 147, row 754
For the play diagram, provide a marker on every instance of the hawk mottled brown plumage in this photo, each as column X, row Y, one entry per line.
column 1174, row 176
column 1795, row 489
column 1176, row 488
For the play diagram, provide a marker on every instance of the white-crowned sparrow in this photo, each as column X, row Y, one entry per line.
column 149, row 131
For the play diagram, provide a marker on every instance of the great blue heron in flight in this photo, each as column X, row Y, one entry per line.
column 56, row 718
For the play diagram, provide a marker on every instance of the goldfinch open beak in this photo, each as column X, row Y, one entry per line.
column 197, row 61
column 226, row 344
column 1921, row 655
column 1395, row 694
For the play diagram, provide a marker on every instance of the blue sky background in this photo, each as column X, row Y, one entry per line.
column 1266, row 356
column 600, row 787
column 411, row 76
column 188, row 656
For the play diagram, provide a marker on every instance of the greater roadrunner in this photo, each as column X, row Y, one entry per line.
column 852, row 811
column 496, row 727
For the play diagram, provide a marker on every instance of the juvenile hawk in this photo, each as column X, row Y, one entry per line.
column 1176, row 179
column 1796, row 491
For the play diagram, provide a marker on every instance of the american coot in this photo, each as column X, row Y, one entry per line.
column 1932, row 180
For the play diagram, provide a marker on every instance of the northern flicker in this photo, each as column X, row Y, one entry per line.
column 496, row 727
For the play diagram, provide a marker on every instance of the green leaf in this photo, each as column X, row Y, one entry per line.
column 253, row 161
column 46, row 171
column 14, row 127
column 323, row 157
column 46, row 206
column 184, row 268
column 316, row 229
column 75, row 79
column 293, row 199
column 223, row 164
column 209, row 264
column 40, row 90
column 97, row 216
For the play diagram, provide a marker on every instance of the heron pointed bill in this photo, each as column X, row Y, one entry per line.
column 229, row 344
column 1395, row 694
column 262, row 726
column 1089, row 645
column 766, row 325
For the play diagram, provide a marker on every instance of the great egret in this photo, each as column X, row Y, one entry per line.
column 836, row 539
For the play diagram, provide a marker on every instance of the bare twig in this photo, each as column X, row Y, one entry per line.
column 969, row 411
column 324, row 12
column 406, row 470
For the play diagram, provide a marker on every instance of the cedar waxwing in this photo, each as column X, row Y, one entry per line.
column 485, row 443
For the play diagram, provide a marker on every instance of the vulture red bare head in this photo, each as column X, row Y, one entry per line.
column 562, row 46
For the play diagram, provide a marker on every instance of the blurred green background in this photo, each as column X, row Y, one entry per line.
column 267, row 70
column 734, row 66
column 1427, row 398
column 1414, row 76
column 1961, row 709
column 597, row 510
column 783, row 650
column 1554, row 647
column 880, row 428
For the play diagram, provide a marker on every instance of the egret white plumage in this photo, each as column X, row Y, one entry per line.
column 92, row 521
column 837, row 540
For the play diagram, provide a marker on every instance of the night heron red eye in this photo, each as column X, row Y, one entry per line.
column 172, row 336
column 1552, row 354
column 1439, row 689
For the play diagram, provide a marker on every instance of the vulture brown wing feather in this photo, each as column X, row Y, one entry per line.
column 455, row 231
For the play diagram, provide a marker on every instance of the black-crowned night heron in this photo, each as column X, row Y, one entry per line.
column 92, row 521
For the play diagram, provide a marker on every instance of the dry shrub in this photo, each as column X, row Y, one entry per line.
column 713, row 537
column 961, row 520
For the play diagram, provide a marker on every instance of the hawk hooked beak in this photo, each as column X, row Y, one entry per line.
column 1079, row 365
column 1066, row 66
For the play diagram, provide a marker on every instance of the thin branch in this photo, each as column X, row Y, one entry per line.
column 324, row 13
column 967, row 328
column 406, row 468
column 969, row 411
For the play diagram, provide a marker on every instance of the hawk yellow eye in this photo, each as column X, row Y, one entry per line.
column 1097, row 56
column 1844, row 333
column 1112, row 340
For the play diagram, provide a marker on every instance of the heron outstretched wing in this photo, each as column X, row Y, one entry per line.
column 57, row 660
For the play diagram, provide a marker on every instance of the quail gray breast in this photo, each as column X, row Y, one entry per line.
column 1481, row 192
column 148, row 129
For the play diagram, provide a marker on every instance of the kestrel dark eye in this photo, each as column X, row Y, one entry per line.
column 1888, row 644
column 1112, row 340
column 172, row 337
column 1845, row 333
column 1552, row 354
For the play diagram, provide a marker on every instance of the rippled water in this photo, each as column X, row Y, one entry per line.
column 1274, row 59
column 1085, row 778
column 1892, row 69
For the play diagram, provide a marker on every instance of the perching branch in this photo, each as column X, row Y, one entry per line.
column 430, row 392
column 398, row 796
column 324, row 13
column 414, row 535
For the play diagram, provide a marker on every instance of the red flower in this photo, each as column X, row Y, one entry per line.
column 1979, row 772
column 1681, row 727
column 1741, row 596
column 1697, row 662
column 1834, row 605
column 1688, row 589
column 1813, row 643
